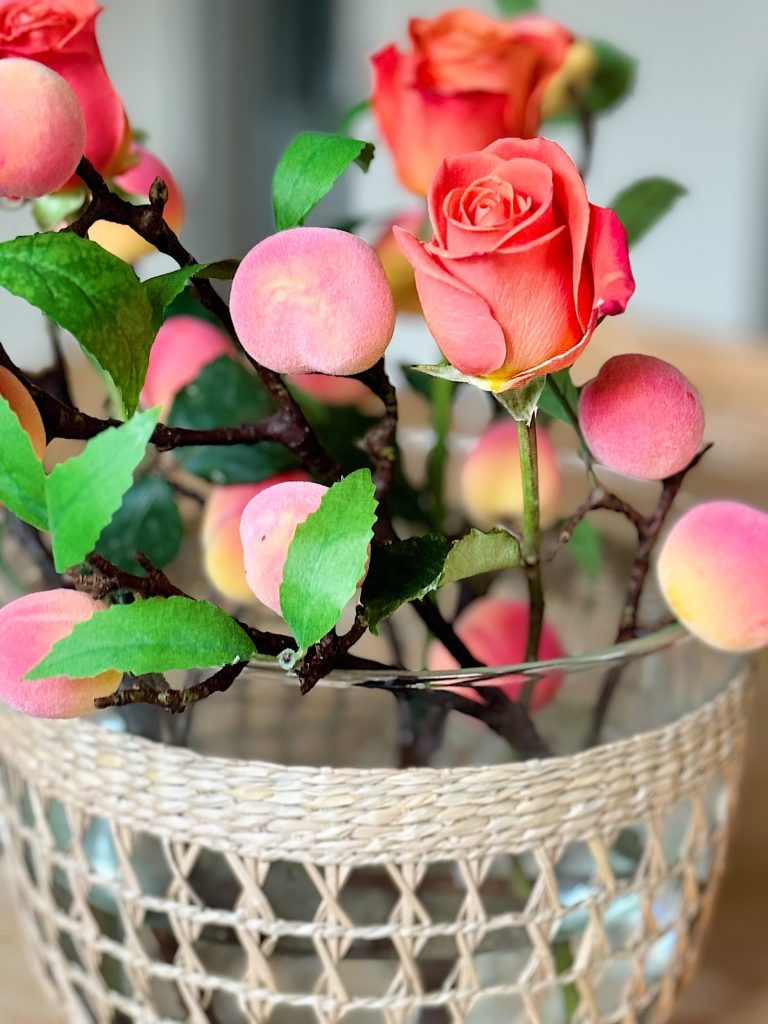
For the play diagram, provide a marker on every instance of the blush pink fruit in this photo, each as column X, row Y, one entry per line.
column 313, row 300
column 491, row 477
column 22, row 403
column 123, row 241
column 336, row 391
column 495, row 630
column 183, row 346
column 29, row 627
column 42, row 129
column 713, row 573
column 222, row 547
column 267, row 527
column 640, row 416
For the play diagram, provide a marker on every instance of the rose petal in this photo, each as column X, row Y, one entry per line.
column 609, row 256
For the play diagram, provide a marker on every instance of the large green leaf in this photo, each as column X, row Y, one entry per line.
column 85, row 491
column 406, row 570
column 327, row 558
column 156, row 635
column 148, row 521
column 481, row 552
column 92, row 294
column 22, row 477
column 308, row 170
column 225, row 394
column 641, row 205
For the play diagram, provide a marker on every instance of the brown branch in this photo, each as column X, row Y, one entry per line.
column 381, row 443
column 175, row 701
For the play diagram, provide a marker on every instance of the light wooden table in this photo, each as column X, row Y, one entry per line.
column 731, row 986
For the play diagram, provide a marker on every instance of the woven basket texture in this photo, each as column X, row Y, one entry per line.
column 160, row 886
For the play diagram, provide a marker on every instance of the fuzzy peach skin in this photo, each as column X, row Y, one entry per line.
column 183, row 346
column 220, row 534
column 466, row 81
column 521, row 266
column 123, row 241
column 495, row 630
column 491, row 478
column 29, row 627
column 336, row 391
column 22, row 403
column 640, row 416
column 61, row 34
column 267, row 527
column 42, row 130
column 313, row 300
column 713, row 573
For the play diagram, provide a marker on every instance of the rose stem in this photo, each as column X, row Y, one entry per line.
column 529, row 465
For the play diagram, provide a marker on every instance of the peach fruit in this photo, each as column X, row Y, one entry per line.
column 42, row 129
column 313, row 300
column 29, row 627
column 183, row 346
column 713, row 573
column 640, row 416
column 267, row 527
column 495, row 630
column 22, row 403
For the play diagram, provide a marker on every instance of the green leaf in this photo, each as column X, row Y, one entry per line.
column 587, row 548
column 92, row 294
column 406, row 570
column 156, row 635
column 613, row 79
column 308, row 170
column 85, row 491
column 521, row 403
column 226, row 394
column 481, row 552
column 327, row 558
column 560, row 397
column 148, row 521
column 444, row 371
column 162, row 290
column 22, row 477
column 509, row 8
column 641, row 205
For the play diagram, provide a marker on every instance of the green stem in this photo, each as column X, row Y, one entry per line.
column 531, row 546
column 442, row 403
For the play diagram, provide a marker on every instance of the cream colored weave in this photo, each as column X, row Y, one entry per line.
column 410, row 897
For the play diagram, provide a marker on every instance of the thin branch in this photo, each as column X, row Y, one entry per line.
column 175, row 701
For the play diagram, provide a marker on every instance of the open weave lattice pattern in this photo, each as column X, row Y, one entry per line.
column 162, row 887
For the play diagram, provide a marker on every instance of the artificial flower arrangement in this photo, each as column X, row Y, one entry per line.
column 264, row 403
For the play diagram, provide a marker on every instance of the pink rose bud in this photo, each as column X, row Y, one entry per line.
column 495, row 631
column 29, row 627
column 467, row 81
column 491, row 477
column 521, row 265
column 183, row 346
column 42, row 131
column 313, row 300
column 22, row 403
column 713, row 573
column 640, row 416
column 267, row 527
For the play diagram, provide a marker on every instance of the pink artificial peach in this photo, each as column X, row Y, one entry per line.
column 491, row 478
column 495, row 630
column 22, row 403
column 334, row 391
column 42, row 129
column 267, row 527
column 123, row 241
column 29, row 627
column 313, row 300
column 640, row 416
column 713, row 573
column 222, row 547
column 183, row 346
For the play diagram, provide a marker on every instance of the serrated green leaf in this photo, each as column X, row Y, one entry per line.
column 560, row 397
column 163, row 289
column 641, row 205
column 85, row 491
column 509, row 8
column 406, row 570
column 481, row 552
column 156, row 635
column 22, row 477
column 586, row 547
column 92, row 294
column 148, row 521
column 327, row 558
column 308, row 170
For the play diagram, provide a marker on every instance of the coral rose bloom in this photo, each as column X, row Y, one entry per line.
column 521, row 266
column 467, row 81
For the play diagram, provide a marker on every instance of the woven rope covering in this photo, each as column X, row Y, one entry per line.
column 163, row 887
